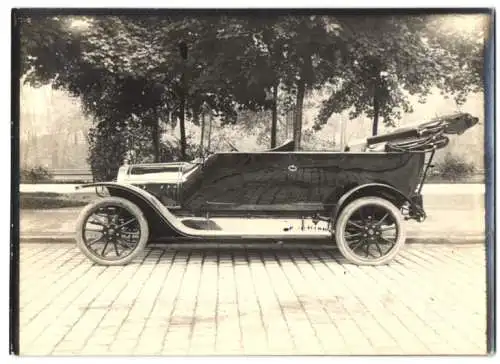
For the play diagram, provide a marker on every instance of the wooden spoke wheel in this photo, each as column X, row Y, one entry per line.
column 112, row 231
column 370, row 231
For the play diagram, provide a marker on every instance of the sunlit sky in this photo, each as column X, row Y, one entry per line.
column 465, row 24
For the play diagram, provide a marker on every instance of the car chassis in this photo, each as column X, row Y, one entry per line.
column 356, row 200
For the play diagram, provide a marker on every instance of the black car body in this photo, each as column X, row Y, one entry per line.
column 357, row 200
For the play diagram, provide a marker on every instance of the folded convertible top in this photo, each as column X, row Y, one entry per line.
column 426, row 136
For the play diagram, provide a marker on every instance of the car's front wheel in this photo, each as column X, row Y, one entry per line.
column 370, row 231
column 112, row 231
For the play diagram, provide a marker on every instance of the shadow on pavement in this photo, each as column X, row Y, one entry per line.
column 240, row 255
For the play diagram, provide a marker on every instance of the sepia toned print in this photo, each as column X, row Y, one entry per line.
column 253, row 183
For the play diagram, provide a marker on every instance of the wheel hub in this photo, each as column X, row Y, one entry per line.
column 111, row 232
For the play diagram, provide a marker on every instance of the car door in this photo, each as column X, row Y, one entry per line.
column 305, row 178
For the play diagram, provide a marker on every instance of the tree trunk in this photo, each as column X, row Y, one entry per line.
column 343, row 143
column 209, row 137
column 156, row 140
column 202, row 132
column 183, row 48
column 182, row 127
column 297, row 126
column 376, row 109
column 274, row 123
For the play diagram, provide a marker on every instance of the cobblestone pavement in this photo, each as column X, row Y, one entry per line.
column 431, row 300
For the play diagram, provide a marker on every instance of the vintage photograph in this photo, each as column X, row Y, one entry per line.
column 257, row 182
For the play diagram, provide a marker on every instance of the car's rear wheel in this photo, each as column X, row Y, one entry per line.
column 112, row 231
column 370, row 231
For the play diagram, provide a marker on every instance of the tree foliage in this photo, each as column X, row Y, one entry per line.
column 395, row 57
column 166, row 70
column 312, row 52
column 34, row 174
column 107, row 149
column 453, row 167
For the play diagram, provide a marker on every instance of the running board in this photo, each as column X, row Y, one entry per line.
column 259, row 228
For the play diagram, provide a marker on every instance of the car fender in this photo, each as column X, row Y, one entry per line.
column 376, row 189
column 162, row 222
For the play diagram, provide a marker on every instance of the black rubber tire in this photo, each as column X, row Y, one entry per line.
column 346, row 213
column 112, row 201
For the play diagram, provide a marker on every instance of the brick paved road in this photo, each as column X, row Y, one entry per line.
column 261, row 301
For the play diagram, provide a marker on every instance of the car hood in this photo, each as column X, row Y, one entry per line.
column 172, row 172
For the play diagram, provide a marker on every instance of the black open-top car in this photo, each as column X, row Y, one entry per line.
column 356, row 200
